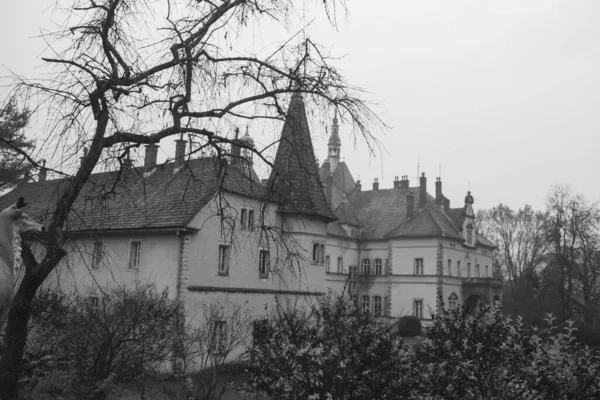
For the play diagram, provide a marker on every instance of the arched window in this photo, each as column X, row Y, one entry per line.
column 378, row 266
column 366, row 266
column 469, row 234
column 366, row 307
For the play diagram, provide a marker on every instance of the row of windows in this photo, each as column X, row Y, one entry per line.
column 420, row 270
column 377, row 267
column 135, row 254
column 340, row 264
column 224, row 258
column 486, row 272
column 366, row 304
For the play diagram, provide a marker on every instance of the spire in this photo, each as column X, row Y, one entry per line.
column 294, row 178
column 334, row 144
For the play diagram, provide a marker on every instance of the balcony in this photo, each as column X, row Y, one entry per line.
column 482, row 282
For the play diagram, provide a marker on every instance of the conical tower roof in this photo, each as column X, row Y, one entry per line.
column 294, row 180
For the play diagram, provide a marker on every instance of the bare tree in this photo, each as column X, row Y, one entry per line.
column 132, row 72
column 573, row 276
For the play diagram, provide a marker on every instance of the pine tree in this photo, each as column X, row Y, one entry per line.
column 13, row 143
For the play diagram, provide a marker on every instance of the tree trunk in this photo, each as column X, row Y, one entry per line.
column 18, row 320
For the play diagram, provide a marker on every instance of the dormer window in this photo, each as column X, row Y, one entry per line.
column 470, row 234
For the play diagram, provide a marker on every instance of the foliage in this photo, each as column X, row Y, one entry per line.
column 490, row 356
column 12, row 141
column 328, row 350
column 77, row 346
column 409, row 326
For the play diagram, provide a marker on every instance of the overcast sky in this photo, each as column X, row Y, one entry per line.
column 504, row 95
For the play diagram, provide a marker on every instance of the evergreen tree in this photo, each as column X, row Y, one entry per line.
column 13, row 143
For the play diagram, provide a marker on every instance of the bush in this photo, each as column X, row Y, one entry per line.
column 409, row 326
column 85, row 346
column 330, row 350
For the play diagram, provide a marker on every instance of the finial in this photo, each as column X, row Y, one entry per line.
column 44, row 163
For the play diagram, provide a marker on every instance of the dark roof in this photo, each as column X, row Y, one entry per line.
column 335, row 229
column 166, row 198
column 427, row 222
column 343, row 183
column 346, row 214
column 294, row 180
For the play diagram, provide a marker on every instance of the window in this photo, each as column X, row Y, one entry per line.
column 453, row 302
column 366, row 266
column 487, row 272
column 340, row 266
column 458, row 269
column 250, row 220
column 377, row 305
column 449, row 267
column 354, row 233
column 418, row 266
column 263, row 264
column 484, row 252
column 243, row 218
column 469, row 234
column 468, row 270
column 135, row 254
column 97, row 254
column 365, row 304
column 318, row 253
column 418, row 308
column 223, row 260
column 247, row 219
column 477, row 271
column 93, row 301
column 378, row 267
column 220, row 336
column 327, row 264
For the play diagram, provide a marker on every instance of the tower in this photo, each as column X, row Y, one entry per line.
column 334, row 144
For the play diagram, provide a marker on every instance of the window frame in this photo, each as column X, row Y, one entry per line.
column 477, row 271
column 468, row 270
column 377, row 266
column 264, row 263
column 418, row 311
column 470, row 234
column 97, row 254
column 139, row 258
column 419, row 266
column 226, row 263
column 487, row 271
column 449, row 267
column 250, row 224
column 327, row 263
column 377, row 306
column 340, row 265
column 365, row 302
column 365, row 266
column 318, row 254
column 243, row 218
column 458, row 269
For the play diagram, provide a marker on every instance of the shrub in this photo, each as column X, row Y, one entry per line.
column 409, row 326
column 329, row 350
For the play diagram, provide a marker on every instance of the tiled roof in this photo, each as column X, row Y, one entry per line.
column 343, row 183
column 380, row 210
column 335, row 229
column 346, row 214
column 166, row 198
column 427, row 222
column 294, row 180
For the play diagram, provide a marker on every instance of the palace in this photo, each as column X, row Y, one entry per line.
column 209, row 230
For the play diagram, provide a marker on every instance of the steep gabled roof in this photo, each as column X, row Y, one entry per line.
column 294, row 180
column 169, row 197
column 346, row 214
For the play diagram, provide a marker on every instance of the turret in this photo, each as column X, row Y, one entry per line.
column 334, row 144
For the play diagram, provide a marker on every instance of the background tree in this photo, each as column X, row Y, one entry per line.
column 522, row 251
column 572, row 278
column 13, row 144
column 129, row 72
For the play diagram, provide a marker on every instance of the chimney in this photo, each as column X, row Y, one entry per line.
column 404, row 182
column 439, row 198
column 396, row 183
column 423, row 191
column 358, row 186
column 410, row 206
column 235, row 149
column 179, row 151
column 446, row 204
column 376, row 184
column 127, row 162
column 43, row 172
column 151, row 154
column 329, row 189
